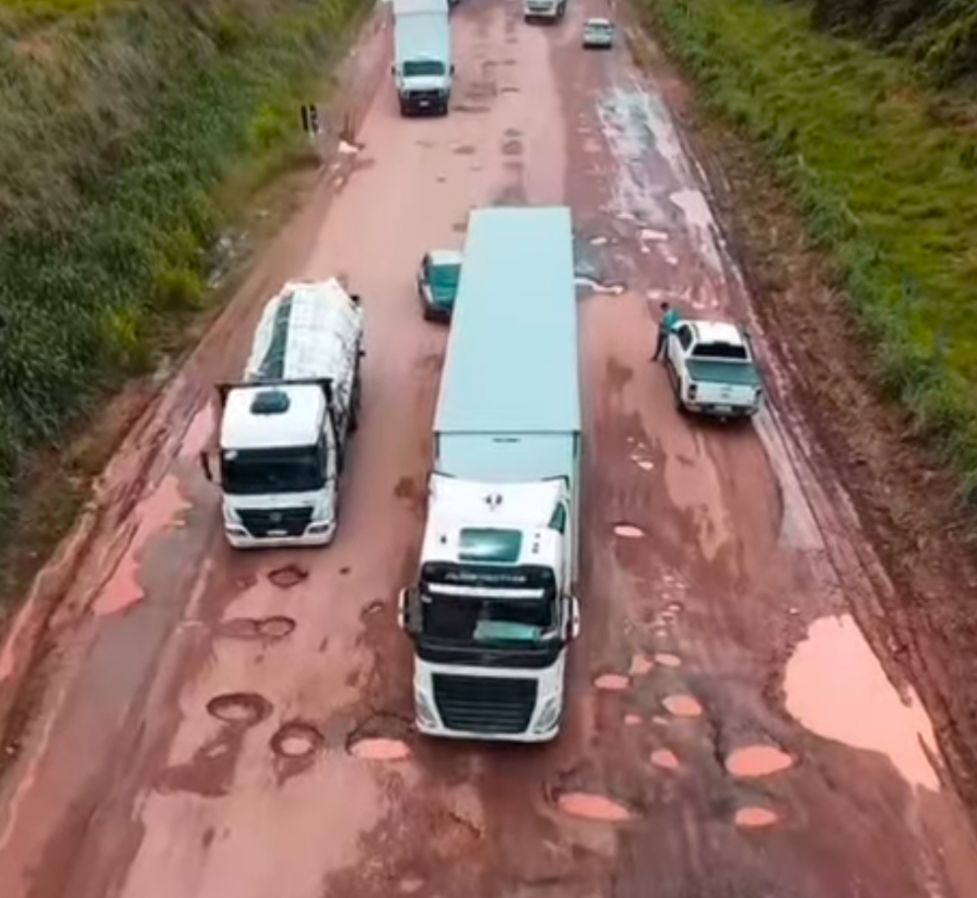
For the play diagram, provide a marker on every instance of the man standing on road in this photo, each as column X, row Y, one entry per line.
column 670, row 319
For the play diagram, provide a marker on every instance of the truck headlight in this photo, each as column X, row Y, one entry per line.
column 758, row 396
column 423, row 710
column 693, row 391
column 549, row 715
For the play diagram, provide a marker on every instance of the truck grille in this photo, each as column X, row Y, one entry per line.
column 259, row 521
column 419, row 97
column 484, row 704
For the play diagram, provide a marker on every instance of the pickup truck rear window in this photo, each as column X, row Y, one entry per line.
column 720, row 351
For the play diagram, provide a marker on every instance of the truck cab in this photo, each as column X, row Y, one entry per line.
column 423, row 69
column 280, row 460
column 712, row 369
column 492, row 614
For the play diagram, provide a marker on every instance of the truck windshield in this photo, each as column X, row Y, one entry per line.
column 422, row 67
column 250, row 472
column 727, row 352
column 471, row 619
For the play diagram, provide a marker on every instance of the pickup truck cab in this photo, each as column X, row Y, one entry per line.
column 712, row 369
column 437, row 283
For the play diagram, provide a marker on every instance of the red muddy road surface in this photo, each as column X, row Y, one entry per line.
column 199, row 722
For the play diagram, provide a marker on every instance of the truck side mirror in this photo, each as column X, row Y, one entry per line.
column 452, row 68
column 574, row 617
column 393, row 70
column 205, row 465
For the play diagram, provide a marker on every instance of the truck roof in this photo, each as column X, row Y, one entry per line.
column 299, row 424
column 424, row 35
column 512, row 364
column 406, row 7
column 717, row 332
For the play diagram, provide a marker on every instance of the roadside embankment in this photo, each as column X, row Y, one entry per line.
column 120, row 125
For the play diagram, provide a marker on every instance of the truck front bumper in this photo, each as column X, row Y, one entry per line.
column 318, row 533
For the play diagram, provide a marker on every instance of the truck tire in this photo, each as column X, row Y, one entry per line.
column 354, row 403
column 404, row 108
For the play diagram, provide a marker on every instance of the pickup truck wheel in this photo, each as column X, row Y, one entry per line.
column 404, row 108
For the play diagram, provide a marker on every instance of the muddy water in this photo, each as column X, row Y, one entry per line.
column 836, row 687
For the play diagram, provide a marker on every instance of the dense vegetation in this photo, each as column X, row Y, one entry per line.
column 941, row 34
column 118, row 119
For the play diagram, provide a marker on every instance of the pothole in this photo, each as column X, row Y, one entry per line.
column 288, row 575
column 632, row 720
column 591, row 806
column 665, row 759
column 757, row 760
column 641, row 666
column 271, row 628
column 239, row 707
column 611, row 682
column 628, row 531
column 380, row 749
column 682, row 706
column 296, row 739
column 373, row 608
column 755, row 818
column 381, row 737
column 275, row 627
column 666, row 659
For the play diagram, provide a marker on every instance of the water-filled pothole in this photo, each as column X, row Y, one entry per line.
column 288, row 575
column 755, row 818
column 380, row 749
column 246, row 708
column 381, row 737
column 296, row 739
column 270, row 628
column 666, row 659
column 591, row 806
column 641, row 665
column 682, row 706
column 611, row 682
column 757, row 760
column 662, row 757
column 628, row 531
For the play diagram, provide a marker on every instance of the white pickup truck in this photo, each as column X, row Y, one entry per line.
column 712, row 369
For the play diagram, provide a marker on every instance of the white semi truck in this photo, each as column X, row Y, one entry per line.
column 284, row 427
column 423, row 70
column 493, row 610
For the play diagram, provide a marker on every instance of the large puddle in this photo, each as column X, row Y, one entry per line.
column 836, row 687
column 757, row 760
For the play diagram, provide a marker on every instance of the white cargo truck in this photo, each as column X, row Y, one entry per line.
column 493, row 611
column 284, row 427
column 423, row 70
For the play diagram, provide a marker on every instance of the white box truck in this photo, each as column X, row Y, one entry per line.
column 284, row 427
column 423, row 70
column 493, row 611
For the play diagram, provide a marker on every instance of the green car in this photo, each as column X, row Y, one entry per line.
column 437, row 283
column 598, row 34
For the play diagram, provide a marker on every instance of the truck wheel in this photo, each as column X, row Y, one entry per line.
column 404, row 108
column 354, row 405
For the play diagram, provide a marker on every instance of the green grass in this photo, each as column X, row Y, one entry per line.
column 886, row 185
column 117, row 129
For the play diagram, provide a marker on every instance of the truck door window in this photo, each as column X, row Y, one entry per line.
column 685, row 336
column 559, row 520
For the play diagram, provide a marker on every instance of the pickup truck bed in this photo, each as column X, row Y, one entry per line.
column 739, row 374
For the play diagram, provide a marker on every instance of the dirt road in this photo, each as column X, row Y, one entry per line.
column 196, row 721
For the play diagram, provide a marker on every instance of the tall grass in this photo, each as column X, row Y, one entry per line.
column 886, row 185
column 118, row 121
